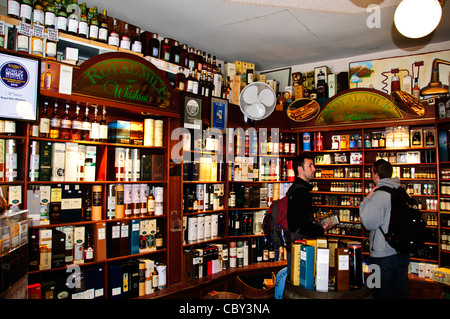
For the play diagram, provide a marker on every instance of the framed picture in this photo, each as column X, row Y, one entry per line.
column 192, row 111
column 219, row 113
column 281, row 76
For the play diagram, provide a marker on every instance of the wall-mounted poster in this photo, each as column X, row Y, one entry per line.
column 192, row 111
column 219, row 113
column 378, row 74
column 19, row 87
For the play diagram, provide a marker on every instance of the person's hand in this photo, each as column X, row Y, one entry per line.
column 371, row 192
column 327, row 225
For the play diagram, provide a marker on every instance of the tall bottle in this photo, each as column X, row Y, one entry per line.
column 66, row 124
column 191, row 58
column 55, row 122
column 86, row 126
column 83, row 25
column 199, row 61
column 76, row 125
column 113, row 38
column 103, row 27
column 13, row 9
column 175, row 53
column 154, row 46
column 72, row 18
column 136, row 45
column 50, row 14
column 95, row 126
column 103, row 137
column 165, row 50
column 184, row 56
column 61, row 16
column 125, row 40
column 26, row 11
column 44, row 122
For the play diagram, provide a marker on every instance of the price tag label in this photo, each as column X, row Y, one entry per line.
column 25, row 28
column 38, row 31
column 53, row 35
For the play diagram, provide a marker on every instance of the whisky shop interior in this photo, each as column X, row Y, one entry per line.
column 145, row 144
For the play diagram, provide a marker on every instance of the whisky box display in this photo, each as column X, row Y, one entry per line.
column 113, row 239
column 307, row 261
column 71, row 203
column 94, row 283
column 58, row 161
column 45, row 161
column 119, row 132
column 71, row 162
column 45, row 249
column 99, row 241
column 136, row 133
column 58, row 248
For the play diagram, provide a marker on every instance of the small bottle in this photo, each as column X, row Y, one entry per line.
column 151, row 203
column 136, row 46
column 103, row 27
column 180, row 80
column 125, row 41
column 55, row 122
column 66, row 124
column 26, row 11
column 113, row 38
column 76, row 125
column 154, row 46
column 395, row 83
column 44, row 122
column 159, row 240
column 175, row 53
column 416, row 90
column 86, row 126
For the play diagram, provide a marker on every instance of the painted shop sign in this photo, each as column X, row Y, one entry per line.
column 125, row 78
column 358, row 105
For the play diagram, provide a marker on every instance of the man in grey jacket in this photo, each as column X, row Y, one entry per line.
column 375, row 213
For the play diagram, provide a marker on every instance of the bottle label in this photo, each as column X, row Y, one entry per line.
column 13, row 7
column 125, row 44
column 103, row 132
column 72, row 25
column 44, row 125
column 37, row 46
column 22, row 43
column 38, row 16
column 93, row 32
column 103, row 34
column 25, row 11
column 61, row 23
column 66, row 123
column 77, row 125
column 50, row 49
column 50, row 18
column 113, row 40
column 83, row 28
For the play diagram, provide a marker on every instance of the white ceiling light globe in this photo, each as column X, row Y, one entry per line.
column 417, row 18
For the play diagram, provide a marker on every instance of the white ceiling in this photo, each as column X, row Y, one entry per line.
column 269, row 36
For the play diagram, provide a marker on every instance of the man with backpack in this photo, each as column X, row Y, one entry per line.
column 300, row 214
column 375, row 213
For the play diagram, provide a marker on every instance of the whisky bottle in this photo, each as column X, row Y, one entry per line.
column 55, row 122
column 51, row 45
column 95, row 126
column 66, row 124
column 125, row 41
column 190, row 82
column 44, row 122
column 72, row 19
column 87, row 205
column 26, row 11
column 88, row 248
column 113, row 38
column 61, row 16
column 209, row 64
column 175, row 53
column 76, row 125
column 136, row 46
column 151, row 203
column 103, row 27
column 38, row 13
column 191, row 58
column 154, row 46
column 86, row 126
column 103, row 136
column 180, row 82
column 165, row 50
column 13, row 9
column 184, row 60
column 159, row 240
column 199, row 60
column 50, row 14
column 195, row 83
column 83, row 25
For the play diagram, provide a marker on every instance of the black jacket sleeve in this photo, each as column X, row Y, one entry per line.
column 300, row 215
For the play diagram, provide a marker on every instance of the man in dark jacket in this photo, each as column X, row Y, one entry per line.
column 300, row 214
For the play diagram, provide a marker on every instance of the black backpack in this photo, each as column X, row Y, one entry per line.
column 406, row 232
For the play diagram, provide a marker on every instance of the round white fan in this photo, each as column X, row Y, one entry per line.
column 257, row 101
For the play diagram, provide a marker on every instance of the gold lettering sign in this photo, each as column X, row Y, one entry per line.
column 123, row 77
column 357, row 105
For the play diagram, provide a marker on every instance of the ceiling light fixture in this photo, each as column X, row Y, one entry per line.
column 417, row 18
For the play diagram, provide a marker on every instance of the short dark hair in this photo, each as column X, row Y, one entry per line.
column 383, row 168
column 300, row 161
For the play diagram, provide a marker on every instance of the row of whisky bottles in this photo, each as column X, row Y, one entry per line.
column 62, row 16
column 63, row 126
column 242, row 143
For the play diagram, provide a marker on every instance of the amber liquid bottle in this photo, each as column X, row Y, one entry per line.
column 76, row 125
column 86, row 126
column 55, row 122
column 44, row 122
column 66, row 124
